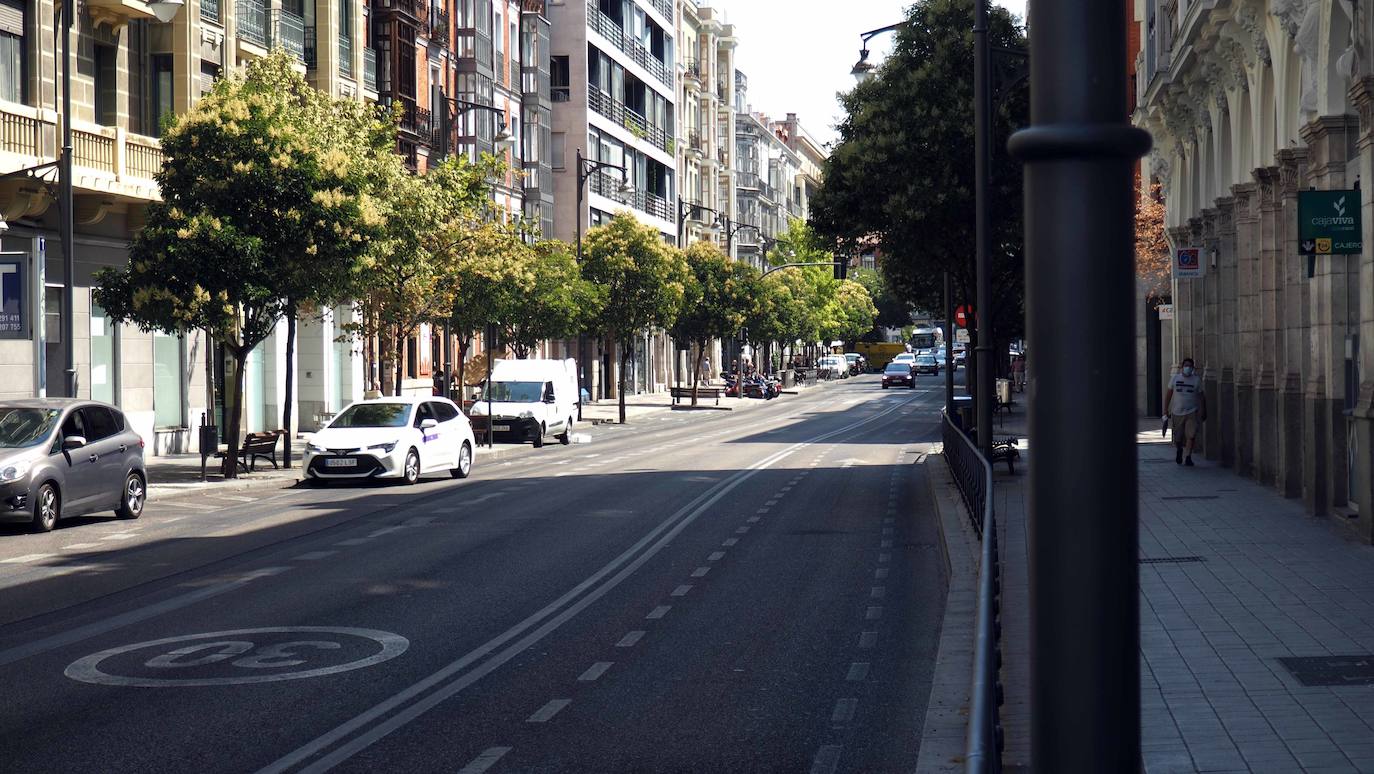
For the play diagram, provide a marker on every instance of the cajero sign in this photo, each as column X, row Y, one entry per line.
column 1329, row 223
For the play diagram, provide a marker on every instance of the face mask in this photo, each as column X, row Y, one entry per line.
column 1187, row 370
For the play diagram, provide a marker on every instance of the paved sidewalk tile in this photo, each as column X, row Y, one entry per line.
column 1233, row 578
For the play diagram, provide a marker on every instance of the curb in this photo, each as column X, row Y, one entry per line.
column 703, row 408
column 946, row 722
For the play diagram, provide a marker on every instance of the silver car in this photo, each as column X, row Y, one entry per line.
column 65, row 457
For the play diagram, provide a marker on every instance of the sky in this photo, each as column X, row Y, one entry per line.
column 798, row 53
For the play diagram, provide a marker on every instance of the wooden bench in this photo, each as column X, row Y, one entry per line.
column 255, row 446
column 680, row 393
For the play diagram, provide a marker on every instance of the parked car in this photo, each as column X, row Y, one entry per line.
column 960, row 354
column 897, row 374
column 926, row 364
column 833, row 367
column 400, row 438
column 531, row 399
column 906, row 357
column 856, row 362
column 63, row 457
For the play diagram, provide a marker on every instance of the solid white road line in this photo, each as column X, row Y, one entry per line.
column 384, row 531
column 354, row 542
column 547, row 711
column 79, row 546
column 594, row 671
column 25, row 559
column 658, row 612
column 120, row 536
column 630, row 638
column 486, row 760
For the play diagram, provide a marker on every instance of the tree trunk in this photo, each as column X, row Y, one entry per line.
column 464, row 345
column 625, row 355
column 288, row 400
column 400, row 363
column 696, row 369
column 234, row 412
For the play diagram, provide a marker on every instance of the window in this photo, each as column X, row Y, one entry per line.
column 558, row 151
column 163, row 104
column 73, row 425
column 103, row 363
column 99, row 423
column 444, row 411
column 167, row 392
column 106, row 84
column 560, row 81
column 425, row 411
column 12, row 70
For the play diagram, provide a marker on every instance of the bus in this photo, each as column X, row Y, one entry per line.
column 926, row 338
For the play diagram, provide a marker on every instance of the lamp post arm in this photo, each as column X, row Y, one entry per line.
column 871, row 34
column 781, row 266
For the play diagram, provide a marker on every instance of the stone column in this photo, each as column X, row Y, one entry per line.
column 1266, row 381
column 1330, row 143
column 1247, row 324
column 1223, row 406
column 1362, row 96
column 1210, row 363
column 1197, row 304
column 1296, row 315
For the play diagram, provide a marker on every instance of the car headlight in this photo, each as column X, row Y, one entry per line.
column 384, row 447
column 14, row 472
column 527, row 415
column 314, row 448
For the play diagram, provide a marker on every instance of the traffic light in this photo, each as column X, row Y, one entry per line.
column 841, row 268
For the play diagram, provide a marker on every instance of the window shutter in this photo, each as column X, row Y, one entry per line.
column 12, row 17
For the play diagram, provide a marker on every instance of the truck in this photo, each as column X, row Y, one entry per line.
column 879, row 354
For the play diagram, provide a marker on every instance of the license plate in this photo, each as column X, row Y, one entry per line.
column 500, row 428
column 341, row 463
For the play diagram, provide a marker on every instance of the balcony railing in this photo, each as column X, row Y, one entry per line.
column 664, row 7
column 693, row 69
column 608, row 185
column 561, row 93
column 748, row 180
column 346, row 56
column 288, row 32
column 639, row 126
column 370, row 68
column 608, row 29
column 438, row 27
column 210, row 11
column 251, row 22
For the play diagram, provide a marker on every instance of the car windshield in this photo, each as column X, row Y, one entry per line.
column 851, row 358
column 373, row 415
column 897, row 368
column 925, row 360
column 516, row 392
column 21, row 427
column 905, row 356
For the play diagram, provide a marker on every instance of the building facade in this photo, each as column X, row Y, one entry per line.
column 766, row 174
column 1250, row 103
column 707, row 78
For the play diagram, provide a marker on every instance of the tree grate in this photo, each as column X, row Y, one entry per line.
column 1171, row 559
column 1314, row 671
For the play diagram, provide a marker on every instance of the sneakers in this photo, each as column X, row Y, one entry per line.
column 1178, row 455
column 1188, row 461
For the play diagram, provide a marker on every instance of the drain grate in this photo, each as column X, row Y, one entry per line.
column 1314, row 671
column 1191, row 497
column 1170, row 559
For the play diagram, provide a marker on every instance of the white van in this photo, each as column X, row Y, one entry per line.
column 530, row 399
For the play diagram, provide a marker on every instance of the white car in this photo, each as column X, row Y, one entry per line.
column 403, row 438
column 833, row 367
column 905, row 357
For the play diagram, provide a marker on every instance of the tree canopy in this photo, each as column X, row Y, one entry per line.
column 901, row 178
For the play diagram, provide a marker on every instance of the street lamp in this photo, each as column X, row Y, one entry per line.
column 684, row 209
column 503, row 139
column 731, row 227
column 585, row 168
column 863, row 69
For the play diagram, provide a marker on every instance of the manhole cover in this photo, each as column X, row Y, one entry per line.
column 1315, row 671
column 1190, row 497
column 1171, row 559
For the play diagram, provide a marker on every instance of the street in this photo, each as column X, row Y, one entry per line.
column 756, row 590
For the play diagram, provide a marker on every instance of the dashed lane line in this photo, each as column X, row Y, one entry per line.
column 867, row 640
column 700, row 572
column 314, row 556
column 79, row 546
column 658, row 612
column 630, row 639
column 354, row 542
column 594, row 672
column 844, row 711
column 730, row 542
column 716, row 556
column 545, row 713
column 485, row 760
column 858, row 672
column 873, row 613
column 827, row 759
column 681, row 591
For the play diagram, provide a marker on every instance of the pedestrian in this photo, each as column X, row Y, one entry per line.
column 1187, row 407
column 706, row 370
column 1018, row 372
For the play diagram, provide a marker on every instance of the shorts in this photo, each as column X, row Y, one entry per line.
column 1185, row 427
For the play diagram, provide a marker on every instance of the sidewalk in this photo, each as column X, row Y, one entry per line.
column 1257, row 625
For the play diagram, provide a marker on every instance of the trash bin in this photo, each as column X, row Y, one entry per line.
column 209, row 444
column 789, row 379
column 963, row 412
column 1004, row 391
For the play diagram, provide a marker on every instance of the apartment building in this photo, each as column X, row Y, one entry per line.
column 812, row 156
column 130, row 71
column 707, row 78
column 613, row 70
column 766, row 174
column 1254, row 108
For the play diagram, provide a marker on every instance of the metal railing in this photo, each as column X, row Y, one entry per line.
column 606, row 27
column 439, row 27
column 346, row 56
column 288, row 31
column 370, row 68
column 210, row 11
column 636, row 123
column 973, row 475
column 251, row 21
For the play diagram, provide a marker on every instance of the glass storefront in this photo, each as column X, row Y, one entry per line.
column 168, row 394
column 104, row 365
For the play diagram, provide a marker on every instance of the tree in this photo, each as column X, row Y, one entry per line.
column 639, row 281
column 434, row 223
column 555, row 303
column 266, row 181
column 901, row 178
column 1153, row 265
column 715, row 298
column 851, row 312
column 494, row 275
column 893, row 312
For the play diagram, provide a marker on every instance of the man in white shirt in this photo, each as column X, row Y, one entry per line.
column 1187, row 406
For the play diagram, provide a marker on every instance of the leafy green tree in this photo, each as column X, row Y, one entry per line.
column 639, row 280
column 916, row 116
column 851, row 312
column 554, row 305
column 893, row 312
column 266, row 205
column 492, row 278
column 717, row 293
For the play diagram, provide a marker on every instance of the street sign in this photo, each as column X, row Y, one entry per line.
column 961, row 336
column 1188, row 262
column 963, row 315
column 1166, row 311
column 13, row 295
column 1329, row 223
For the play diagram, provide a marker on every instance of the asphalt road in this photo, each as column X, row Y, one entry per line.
column 750, row 591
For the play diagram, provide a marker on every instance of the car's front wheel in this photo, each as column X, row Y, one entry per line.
column 133, row 497
column 411, row 470
column 464, row 468
column 539, row 437
column 47, row 508
column 566, row 437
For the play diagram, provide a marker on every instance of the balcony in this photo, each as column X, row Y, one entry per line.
column 639, row 126
column 346, row 56
column 210, row 11
column 439, row 27
column 693, row 70
column 608, row 185
column 370, row 69
column 106, row 160
column 608, row 29
column 251, row 22
column 696, row 143
column 664, row 7
column 747, row 180
column 288, row 32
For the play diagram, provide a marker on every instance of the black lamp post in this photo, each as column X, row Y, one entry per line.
column 731, row 227
column 459, row 106
column 684, row 210
column 585, row 168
